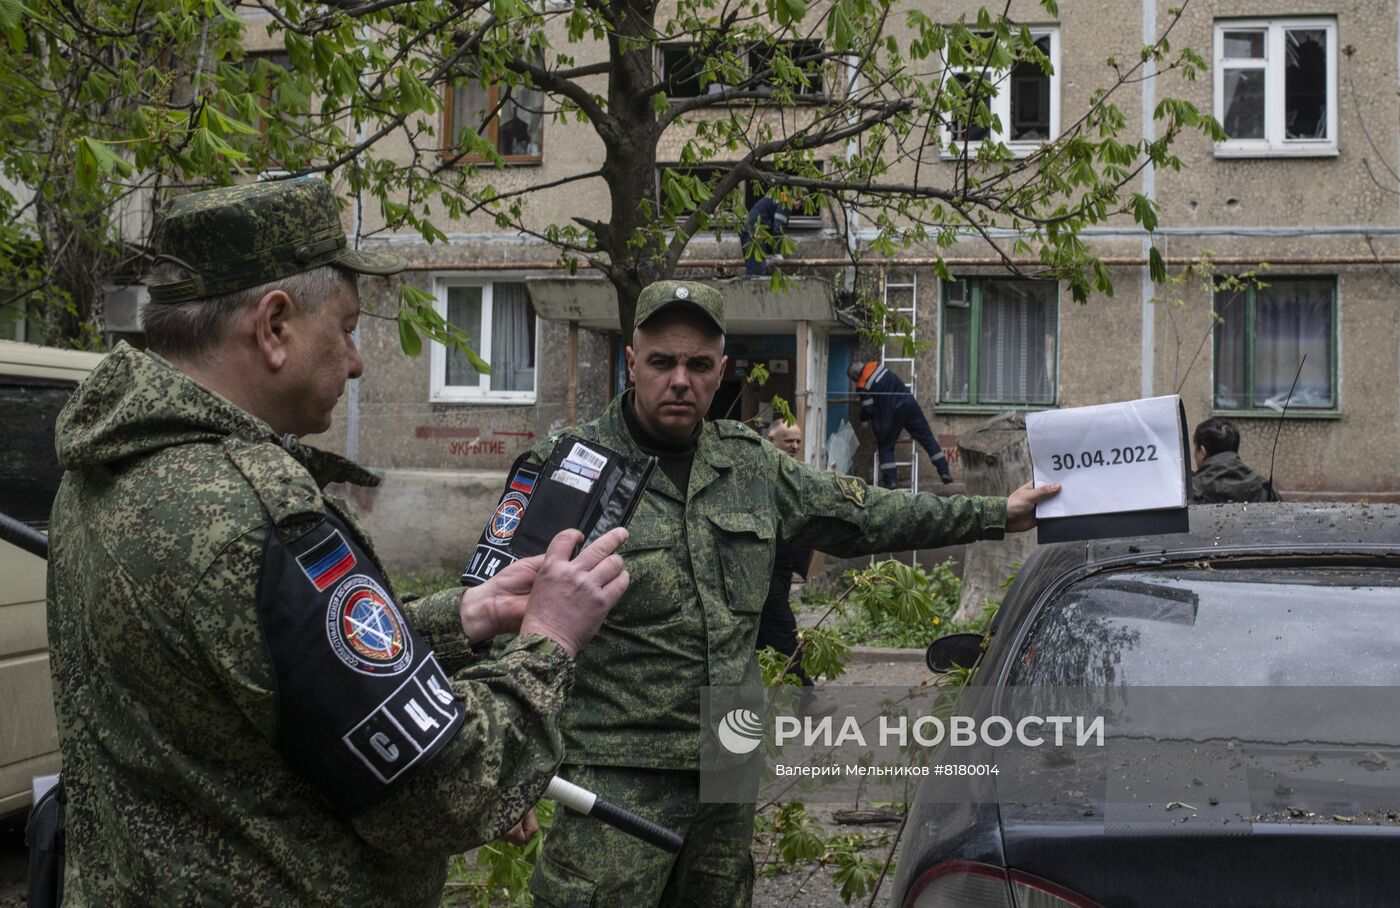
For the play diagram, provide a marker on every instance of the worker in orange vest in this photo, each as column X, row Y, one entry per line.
column 891, row 409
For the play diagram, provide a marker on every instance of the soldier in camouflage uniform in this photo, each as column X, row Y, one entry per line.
column 247, row 715
column 700, row 556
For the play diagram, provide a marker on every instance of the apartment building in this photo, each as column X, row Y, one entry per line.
column 1302, row 195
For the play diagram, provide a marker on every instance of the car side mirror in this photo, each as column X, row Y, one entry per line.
column 954, row 649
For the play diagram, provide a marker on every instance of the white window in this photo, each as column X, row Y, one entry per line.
column 499, row 319
column 1025, row 100
column 1276, row 87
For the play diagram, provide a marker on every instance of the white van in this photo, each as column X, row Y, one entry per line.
column 35, row 383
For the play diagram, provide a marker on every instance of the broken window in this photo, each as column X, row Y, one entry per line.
column 797, row 63
column 998, row 342
column 1276, row 86
column 1023, row 101
column 1263, row 335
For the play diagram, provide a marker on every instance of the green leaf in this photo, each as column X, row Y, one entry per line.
column 95, row 160
column 1144, row 211
column 409, row 340
column 790, row 11
column 1156, row 267
column 11, row 13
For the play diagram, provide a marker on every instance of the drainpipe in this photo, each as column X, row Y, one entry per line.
column 1149, row 189
column 352, row 395
column 571, row 391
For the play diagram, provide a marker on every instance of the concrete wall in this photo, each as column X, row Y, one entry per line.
column 427, row 521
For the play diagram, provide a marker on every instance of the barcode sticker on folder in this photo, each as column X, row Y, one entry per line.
column 587, row 457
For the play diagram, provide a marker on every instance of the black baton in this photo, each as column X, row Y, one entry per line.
column 23, row 536
column 581, row 800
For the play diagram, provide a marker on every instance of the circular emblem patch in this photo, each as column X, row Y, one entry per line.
column 682, row 293
column 506, row 520
column 365, row 628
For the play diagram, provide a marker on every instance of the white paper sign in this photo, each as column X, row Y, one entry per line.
column 1109, row 458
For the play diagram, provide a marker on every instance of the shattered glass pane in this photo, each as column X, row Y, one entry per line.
column 1305, row 84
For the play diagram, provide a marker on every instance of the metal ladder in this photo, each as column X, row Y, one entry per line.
column 900, row 304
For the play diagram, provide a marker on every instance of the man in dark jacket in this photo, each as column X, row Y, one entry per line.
column 891, row 408
column 1220, row 474
column 761, row 240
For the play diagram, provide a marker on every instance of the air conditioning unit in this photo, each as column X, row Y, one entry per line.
column 122, row 309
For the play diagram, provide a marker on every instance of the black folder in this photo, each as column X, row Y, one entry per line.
column 582, row 485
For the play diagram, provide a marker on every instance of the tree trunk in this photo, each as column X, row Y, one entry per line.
column 996, row 461
column 631, row 242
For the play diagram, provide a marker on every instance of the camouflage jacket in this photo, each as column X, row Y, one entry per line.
column 1224, row 477
column 700, row 562
column 166, row 698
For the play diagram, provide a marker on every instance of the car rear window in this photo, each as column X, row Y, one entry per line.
column 1295, row 624
column 29, row 468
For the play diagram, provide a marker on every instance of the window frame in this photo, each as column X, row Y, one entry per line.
column 813, row 94
column 999, row 105
column 1275, row 144
column 43, row 418
column 975, row 403
column 439, row 391
column 493, row 130
column 1334, row 338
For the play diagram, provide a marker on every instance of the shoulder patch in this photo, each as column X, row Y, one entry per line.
column 853, row 489
column 362, row 701
column 284, row 486
column 326, row 560
column 366, row 630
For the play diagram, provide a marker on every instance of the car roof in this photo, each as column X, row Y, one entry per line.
column 1236, row 529
column 1218, row 531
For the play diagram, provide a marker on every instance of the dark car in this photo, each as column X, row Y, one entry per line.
column 1275, row 629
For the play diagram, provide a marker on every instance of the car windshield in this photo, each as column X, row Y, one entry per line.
column 1298, row 624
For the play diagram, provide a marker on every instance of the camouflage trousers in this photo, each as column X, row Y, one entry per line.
column 585, row 863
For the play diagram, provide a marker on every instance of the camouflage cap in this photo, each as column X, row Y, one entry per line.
column 691, row 294
column 237, row 237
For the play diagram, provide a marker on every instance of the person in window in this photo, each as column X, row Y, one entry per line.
column 1220, row 474
column 760, row 247
column 891, row 409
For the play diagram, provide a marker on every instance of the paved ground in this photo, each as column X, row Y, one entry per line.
column 813, row 886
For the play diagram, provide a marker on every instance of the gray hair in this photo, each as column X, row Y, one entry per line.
column 189, row 330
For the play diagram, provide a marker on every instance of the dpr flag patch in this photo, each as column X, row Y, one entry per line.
column 327, row 561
